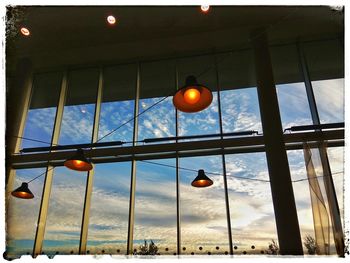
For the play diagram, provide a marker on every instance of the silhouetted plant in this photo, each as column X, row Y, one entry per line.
column 310, row 244
column 148, row 249
column 273, row 248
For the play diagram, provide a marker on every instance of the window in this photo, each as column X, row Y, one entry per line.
column 252, row 214
column 22, row 214
column 155, row 206
column 109, row 211
column 117, row 107
column 63, row 225
column 203, row 210
column 42, row 109
column 78, row 114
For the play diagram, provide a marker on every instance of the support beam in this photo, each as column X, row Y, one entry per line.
column 281, row 187
column 44, row 206
column 90, row 175
column 129, row 249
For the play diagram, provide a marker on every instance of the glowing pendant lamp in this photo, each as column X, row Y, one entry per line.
column 78, row 162
column 193, row 97
column 201, row 180
column 23, row 192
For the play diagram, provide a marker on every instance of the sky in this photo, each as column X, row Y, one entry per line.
column 203, row 214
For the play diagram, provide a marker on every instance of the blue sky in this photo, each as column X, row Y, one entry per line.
column 203, row 214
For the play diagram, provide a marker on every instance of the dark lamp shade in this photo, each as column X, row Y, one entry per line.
column 193, row 97
column 201, row 180
column 23, row 192
column 78, row 162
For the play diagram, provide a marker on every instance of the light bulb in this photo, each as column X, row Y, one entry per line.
column 192, row 96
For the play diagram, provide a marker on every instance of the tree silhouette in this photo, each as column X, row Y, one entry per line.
column 148, row 249
column 273, row 248
column 310, row 244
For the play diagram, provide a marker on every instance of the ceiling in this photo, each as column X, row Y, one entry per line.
column 63, row 36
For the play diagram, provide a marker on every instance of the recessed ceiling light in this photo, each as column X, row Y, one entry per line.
column 111, row 20
column 25, row 31
column 205, row 8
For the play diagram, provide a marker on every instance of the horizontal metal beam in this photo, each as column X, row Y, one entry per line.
column 317, row 126
column 183, row 149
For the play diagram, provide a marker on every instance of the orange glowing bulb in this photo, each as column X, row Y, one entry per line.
column 192, row 96
column 78, row 163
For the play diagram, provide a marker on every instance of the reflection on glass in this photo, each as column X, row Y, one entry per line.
column 302, row 194
column 203, row 210
column 78, row 114
column 293, row 105
column 42, row 109
column 109, row 211
column 63, row 225
column 155, row 206
column 240, row 110
column 252, row 213
column 329, row 96
column 336, row 162
column 22, row 214
column 117, row 105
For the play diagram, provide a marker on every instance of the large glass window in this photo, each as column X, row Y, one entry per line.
column 325, row 60
column 109, row 211
column 203, row 210
column 238, row 95
column 42, row 109
column 252, row 214
column 64, row 218
column 117, row 107
column 157, row 81
column 79, row 110
column 155, row 206
column 290, row 87
column 22, row 214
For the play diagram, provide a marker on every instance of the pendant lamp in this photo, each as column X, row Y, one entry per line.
column 193, row 97
column 78, row 162
column 201, row 180
column 23, row 192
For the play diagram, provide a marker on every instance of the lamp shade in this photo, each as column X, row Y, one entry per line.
column 23, row 192
column 78, row 162
column 193, row 97
column 201, row 180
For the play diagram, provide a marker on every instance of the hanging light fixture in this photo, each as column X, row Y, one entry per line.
column 22, row 192
column 193, row 97
column 78, row 162
column 201, row 180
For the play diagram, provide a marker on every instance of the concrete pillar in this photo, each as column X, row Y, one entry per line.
column 281, row 186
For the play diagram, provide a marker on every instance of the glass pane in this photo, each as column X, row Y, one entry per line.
column 22, row 214
column 42, row 109
column 325, row 60
column 293, row 105
column 290, row 87
column 63, row 225
column 329, row 96
column 252, row 213
column 155, row 207
column 240, row 110
column 203, row 210
column 336, row 162
column 302, row 194
column 78, row 114
column 117, row 105
column 205, row 121
column 157, row 81
column 108, row 223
